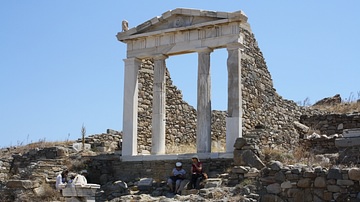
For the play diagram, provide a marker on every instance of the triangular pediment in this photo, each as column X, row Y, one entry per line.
column 181, row 18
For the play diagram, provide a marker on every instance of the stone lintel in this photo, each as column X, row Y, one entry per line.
column 183, row 47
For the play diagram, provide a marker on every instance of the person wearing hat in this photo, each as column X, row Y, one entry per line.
column 80, row 179
column 196, row 172
column 176, row 176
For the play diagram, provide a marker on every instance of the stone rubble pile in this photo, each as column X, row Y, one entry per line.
column 111, row 141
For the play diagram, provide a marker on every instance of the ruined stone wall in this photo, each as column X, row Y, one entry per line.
column 331, row 124
column 274, row 182
column 180, row 116
column 4, row 172
column 108, row 168
column 301, row 183
column 262, row 106
column 321, row 145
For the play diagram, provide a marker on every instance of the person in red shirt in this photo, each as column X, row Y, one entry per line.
column 196, row 171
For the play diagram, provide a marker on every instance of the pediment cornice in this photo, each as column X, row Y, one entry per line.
column 181, row 19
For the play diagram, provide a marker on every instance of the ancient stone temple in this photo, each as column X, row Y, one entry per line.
column 182, row 31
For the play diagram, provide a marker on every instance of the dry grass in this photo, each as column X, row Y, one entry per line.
column 245, row 182
column 21, row 149
column 343, row 108
column 298, row 156
column 350, row 104
column 47, row 193
column 281, row 155
column 178, row 149
column 44, row 192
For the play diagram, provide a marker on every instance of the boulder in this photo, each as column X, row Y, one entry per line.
column 354, row 174
column 247, row 158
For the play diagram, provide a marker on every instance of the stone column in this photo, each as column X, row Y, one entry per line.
column 203, row 129
column 130, row 111
column 234, row 110
column 159, row 99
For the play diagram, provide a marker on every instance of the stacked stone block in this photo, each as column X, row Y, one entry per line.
column 331, row 124
column 313, row 184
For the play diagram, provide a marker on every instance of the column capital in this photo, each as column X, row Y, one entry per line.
column 160, row 57
column 132, row 59
column 204, row 50
column 232, row 46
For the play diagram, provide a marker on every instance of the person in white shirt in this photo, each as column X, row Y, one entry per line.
column 61, row 179
column 80, row 179
column 176, row 176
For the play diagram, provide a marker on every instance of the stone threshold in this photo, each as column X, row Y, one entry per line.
column 149, row 157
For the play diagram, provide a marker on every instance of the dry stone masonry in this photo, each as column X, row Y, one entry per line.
column 261, row 105
column 266, row 119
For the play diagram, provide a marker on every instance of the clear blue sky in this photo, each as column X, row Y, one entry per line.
column 61, row 64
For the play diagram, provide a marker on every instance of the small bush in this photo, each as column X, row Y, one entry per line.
column 277, row 155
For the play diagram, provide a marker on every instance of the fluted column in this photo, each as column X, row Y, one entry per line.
column 130, row 111
column 203, row 129
column 234, row 110
column 159, row 102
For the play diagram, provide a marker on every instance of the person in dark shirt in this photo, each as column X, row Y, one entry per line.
column 196, row 172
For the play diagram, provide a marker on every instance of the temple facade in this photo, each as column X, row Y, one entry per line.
column 175, row 32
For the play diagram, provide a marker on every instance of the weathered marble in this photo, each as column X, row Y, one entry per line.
column 177, row 32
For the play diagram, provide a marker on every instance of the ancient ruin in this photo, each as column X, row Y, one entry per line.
column 176, row 32
column 327, row 169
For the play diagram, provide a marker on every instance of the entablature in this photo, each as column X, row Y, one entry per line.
column 183, row 31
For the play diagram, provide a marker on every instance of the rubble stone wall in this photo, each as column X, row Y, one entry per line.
column 298, row 182
column 322, row 145
column 331, row 124
column 302, row 183
column 109, row 168
column 271, row 182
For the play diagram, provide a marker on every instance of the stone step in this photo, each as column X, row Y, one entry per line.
column 347, row 142
column 353, row 132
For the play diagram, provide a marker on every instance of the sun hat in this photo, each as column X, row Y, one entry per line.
column 178, row 164
column 196, row 157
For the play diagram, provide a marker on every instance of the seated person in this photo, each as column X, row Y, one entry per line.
column 176, row 176
column 71, row 179
column 61, row 180
column 80, row 179
column 197, row 172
